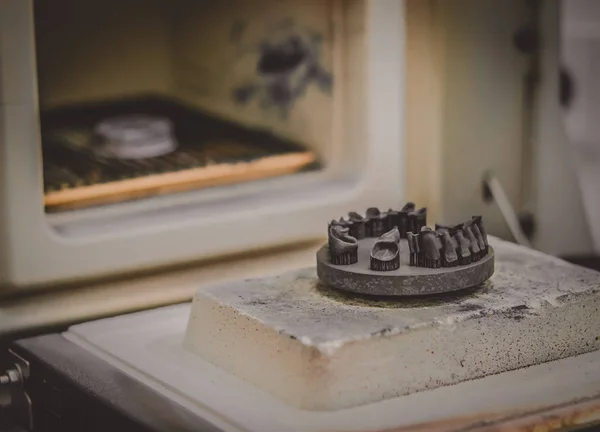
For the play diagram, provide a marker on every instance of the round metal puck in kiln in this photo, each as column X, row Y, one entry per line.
column 134, row 137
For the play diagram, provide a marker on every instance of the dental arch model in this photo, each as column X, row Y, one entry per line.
column 447, row 246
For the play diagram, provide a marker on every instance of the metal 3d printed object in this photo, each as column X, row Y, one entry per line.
column 395, row 253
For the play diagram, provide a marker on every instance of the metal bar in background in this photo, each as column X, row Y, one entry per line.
column 497, row 193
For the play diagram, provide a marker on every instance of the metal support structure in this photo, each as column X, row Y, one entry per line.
column 495, row 190
column 13, row 397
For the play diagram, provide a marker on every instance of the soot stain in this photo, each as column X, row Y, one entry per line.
column 255, row 302
column 517, row 313
column 469, row 307
column 282, row 58
column 383, row 332
column 289, row 61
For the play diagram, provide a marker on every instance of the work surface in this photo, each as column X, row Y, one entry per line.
column 148, row 347
column 526, row 287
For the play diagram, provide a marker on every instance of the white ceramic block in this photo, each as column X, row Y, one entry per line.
column 319, row 350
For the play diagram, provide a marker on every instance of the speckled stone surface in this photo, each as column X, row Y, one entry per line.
column 318, row 349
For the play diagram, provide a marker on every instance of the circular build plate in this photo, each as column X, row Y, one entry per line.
column 406, row 281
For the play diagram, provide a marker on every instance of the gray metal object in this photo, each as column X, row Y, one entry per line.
column 385, row 255
column 405, row 281
column 496, row 191
column 12, row 393
column 342, row 247
column 12, row 379
column 408, row 258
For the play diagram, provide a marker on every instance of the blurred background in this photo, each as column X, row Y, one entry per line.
column 149, row 148
column 148, row 143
